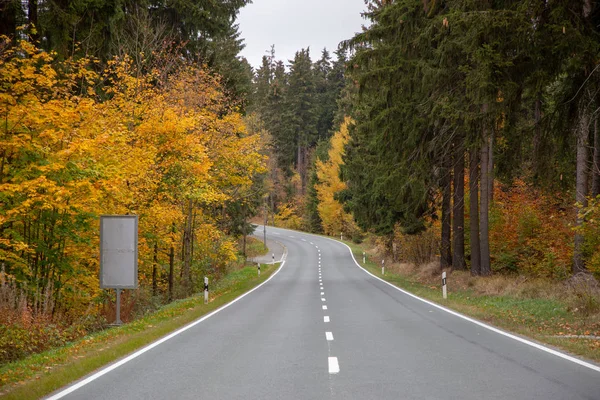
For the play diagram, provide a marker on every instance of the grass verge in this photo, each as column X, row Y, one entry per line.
column 41, row 374
column 539, row 315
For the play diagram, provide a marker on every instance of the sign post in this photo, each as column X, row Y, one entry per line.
column 118, row 255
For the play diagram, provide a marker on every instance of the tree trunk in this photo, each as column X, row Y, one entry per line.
column 458, row 210
column 490, row 168
column 154, row 268
column 446, row 183
column 187, row 246
column 171, row 271
column 484, row 208
column 474, row 212
column 32, row 14
column 582, row 186
column 301, row 169
column 537, row 135
column 596, row 163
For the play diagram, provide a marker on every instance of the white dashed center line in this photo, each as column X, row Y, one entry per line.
column 324, row 307
column 329, row 336
column 334, row 367
column 322, row 298
column 322, row 293
column 326, row 318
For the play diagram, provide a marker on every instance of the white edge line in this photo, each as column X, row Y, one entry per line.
column 334, row 366
column 476, row 322
column 138, row 353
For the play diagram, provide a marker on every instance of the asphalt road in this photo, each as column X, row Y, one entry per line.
column 378, row 343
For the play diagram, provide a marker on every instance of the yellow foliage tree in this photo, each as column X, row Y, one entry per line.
column 333, row 217
column 75, row 144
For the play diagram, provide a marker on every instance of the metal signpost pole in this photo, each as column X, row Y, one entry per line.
column 265, row 226
column 118, row 318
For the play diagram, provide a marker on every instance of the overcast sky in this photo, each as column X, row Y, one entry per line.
column 295, row 24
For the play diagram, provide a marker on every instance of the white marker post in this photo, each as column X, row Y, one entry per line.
column 382, row 267
column 205, row 290
column 273, row 258
column 341, row 235
column 364, row 257
column 258, row 264
column 444, row 291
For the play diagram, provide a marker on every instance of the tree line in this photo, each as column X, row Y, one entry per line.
column 508, row 88
column 128, row 108
column 447, row 98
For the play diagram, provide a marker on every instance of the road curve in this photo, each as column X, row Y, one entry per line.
column 322, row 328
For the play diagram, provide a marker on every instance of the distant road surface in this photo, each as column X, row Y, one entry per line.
column 323, row 328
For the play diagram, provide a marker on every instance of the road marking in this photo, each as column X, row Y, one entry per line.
column 304, row 240
column 322, row 298
column 324, row 307
column 317, row 247
column 322, row 293
column 334, row 367
column 329, row 336
column 476, row 322
column 312, row 243
column 320, row 280
column 326, row 318
column 149, row 347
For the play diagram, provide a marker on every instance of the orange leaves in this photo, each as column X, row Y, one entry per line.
column 69, row 154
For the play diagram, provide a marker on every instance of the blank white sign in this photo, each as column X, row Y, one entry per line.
column 118, row 251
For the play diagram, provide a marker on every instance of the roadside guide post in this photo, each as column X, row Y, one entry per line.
column 364, row 257
column 205, row 290
column 444, row 291
column 341, row 235
column 382, row 267
column 273, row 258
column 258, row 264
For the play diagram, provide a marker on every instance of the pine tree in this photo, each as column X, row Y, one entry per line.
column 300, row 112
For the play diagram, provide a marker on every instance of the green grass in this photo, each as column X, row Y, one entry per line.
column 41, row 374
column 255, row 247
column 538, row 318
